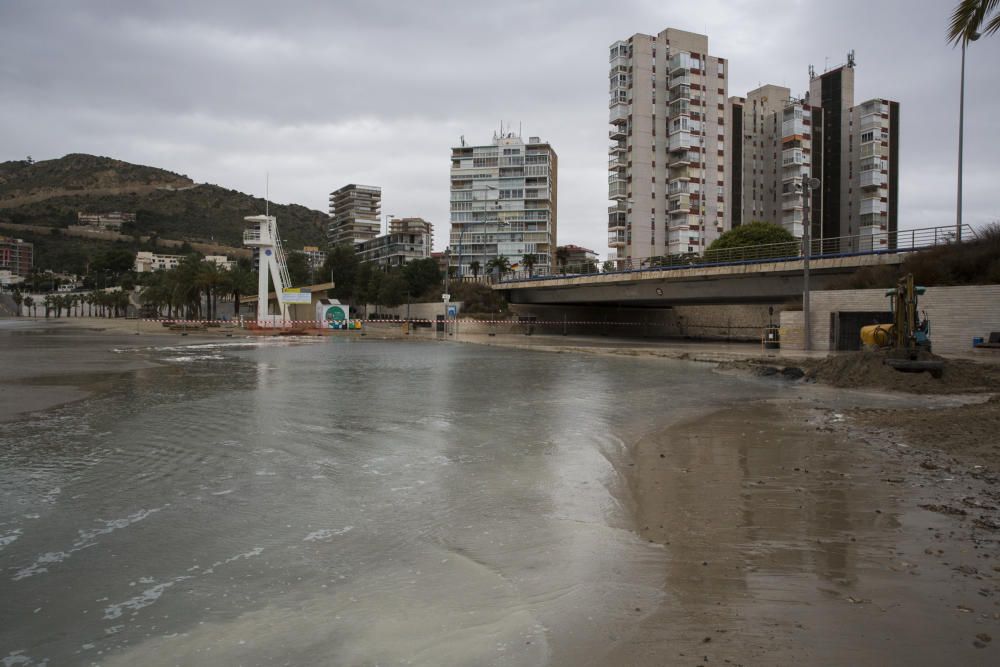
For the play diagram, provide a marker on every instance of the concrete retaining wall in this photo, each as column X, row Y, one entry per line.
column 957, row 314
column 706, row 322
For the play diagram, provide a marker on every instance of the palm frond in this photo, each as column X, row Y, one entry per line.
column 968, row 19
column 992, row 26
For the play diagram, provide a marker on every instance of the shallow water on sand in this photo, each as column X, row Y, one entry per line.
column 337, row 502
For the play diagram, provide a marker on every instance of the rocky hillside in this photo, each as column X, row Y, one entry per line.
column 169, row 205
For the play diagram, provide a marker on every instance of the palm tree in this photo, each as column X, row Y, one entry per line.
column 240, row 282
column 499, row 264
column 529, row 262
column 29, row 304
column 562, row 256
column 121, row 302
column 156, row 293
column 208, row 278
column 474, row 266
column 47, row 302
column 972, row 17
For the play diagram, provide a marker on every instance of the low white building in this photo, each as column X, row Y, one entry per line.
column 146, row 262
column 221, row 261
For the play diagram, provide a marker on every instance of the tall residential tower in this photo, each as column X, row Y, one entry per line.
column 503, row 202
column 668, row 159
column 770, row 136
column 354, row 214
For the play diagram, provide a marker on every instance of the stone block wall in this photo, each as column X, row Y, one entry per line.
column 956, row 314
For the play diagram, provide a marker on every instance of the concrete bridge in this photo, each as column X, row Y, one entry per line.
column 753, row 274
column 758, row 282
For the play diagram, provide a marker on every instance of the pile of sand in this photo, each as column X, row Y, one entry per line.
column 868, row 369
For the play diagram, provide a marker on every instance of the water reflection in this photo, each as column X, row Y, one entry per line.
column 376, row 501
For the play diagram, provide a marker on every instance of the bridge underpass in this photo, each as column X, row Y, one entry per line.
column 761, row 282
column 732, row 302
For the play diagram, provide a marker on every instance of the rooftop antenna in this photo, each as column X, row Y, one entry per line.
column 267, row 193
column 850, row 58
column 826, row 63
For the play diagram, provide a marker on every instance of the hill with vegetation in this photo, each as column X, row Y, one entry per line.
column 167, row 205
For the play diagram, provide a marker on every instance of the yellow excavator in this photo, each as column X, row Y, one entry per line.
column 906, row 342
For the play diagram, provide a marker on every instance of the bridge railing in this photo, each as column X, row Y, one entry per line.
column 882, row 242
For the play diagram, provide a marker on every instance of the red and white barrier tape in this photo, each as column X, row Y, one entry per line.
column 325, row 324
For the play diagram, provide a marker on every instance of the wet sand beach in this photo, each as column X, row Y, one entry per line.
column 351, row 501
column 46, row 363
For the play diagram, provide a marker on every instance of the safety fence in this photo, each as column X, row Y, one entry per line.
column 647, row 327
column 876, row 243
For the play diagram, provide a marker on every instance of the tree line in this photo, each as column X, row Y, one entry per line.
column 93, row 304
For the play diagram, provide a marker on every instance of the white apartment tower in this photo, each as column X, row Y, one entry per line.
column 770, row 139
column 503, row 202
column 668, row 157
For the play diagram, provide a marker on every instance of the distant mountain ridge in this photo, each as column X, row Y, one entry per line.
column 167, row 204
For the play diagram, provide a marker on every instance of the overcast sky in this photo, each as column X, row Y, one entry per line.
column 321, row 94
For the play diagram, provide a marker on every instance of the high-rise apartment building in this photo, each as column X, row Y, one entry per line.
column 668, row 160
column 354, row 214
column 503, row 202
column 856, row 159
column 770, row 137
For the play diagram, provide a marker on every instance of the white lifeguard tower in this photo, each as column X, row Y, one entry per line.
column 262, row 233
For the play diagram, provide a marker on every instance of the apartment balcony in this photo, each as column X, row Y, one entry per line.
column 679, row 61
column 679, row 108
column 618, row 113
column 618, row 61
column 680, row 78
column 682, row 159
column 617, row 93
column 871, row 149
column 618, row 132
column 680, row 141
column 792, row 217
column 870, row 206
column 873, row 179
column 679, row 93
column 617, row 239
column 871, row 121
column 792, row 159
column 679, row 204
column 678, row 187
column 791, row 128
column 619, row 148
column 617, row 190
column 618, row 161
column 616, row 221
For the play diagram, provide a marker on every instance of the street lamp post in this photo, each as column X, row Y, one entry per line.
column 810, row 185
column 961, row 136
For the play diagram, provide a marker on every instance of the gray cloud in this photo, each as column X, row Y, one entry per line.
column 320, row 94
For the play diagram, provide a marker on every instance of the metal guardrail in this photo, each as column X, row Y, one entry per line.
column 880, row 243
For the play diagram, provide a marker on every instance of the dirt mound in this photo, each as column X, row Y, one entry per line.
column 868, row 369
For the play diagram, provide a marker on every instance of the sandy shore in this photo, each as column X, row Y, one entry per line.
column 66, row 360
column 831, row 526
column 851, row 524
